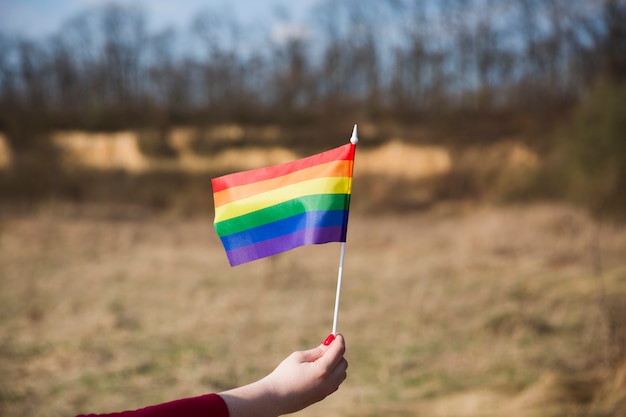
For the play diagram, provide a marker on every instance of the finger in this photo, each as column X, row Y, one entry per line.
column 338, row 375
column 331, row 343
column 333, row 354
column 311, row 355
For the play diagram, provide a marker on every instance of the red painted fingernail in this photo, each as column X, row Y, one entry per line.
column 329, row 339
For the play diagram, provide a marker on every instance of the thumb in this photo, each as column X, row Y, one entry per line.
column 317, row 352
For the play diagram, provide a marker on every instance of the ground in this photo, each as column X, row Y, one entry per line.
column 459, row 310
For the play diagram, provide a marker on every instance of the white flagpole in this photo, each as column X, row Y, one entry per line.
column 354, row 140
column 338, row 296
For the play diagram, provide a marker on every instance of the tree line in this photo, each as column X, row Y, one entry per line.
column 106, row 69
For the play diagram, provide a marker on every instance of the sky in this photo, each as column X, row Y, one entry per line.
column 41, row 18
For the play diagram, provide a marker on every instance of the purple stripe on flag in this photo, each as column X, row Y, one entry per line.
column 286, row 242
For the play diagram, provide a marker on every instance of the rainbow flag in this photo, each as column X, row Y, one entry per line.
column 266, row 211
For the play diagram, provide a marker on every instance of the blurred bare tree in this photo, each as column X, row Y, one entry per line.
column 105, row 70
column 477, row 70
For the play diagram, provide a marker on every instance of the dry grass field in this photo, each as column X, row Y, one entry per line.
column 455, row 311
column 449, row 309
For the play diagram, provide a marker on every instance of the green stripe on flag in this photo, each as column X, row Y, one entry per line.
column 315, row 202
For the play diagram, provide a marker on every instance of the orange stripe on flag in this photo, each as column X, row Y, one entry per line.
column 340, row 168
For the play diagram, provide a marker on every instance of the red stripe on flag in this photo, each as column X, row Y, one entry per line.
column 345, row 152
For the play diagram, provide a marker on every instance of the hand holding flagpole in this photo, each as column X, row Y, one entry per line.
column 354, row 140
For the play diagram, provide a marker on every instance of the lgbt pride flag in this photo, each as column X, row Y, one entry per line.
column 266, row 211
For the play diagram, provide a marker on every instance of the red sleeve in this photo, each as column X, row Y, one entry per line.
column 210, row 405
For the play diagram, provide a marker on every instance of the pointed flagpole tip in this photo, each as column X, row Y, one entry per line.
column 354, row 139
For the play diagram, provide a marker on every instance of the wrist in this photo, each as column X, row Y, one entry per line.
column 257, row 398
column 270, row 397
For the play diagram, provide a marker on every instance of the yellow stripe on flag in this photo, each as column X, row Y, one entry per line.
column 329, row 185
